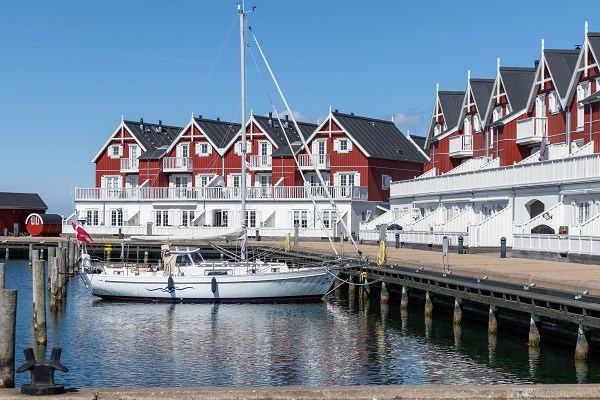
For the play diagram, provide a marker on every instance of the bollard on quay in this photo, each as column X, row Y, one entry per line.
column 502, row 247
column 461, row 241
column 42, row 374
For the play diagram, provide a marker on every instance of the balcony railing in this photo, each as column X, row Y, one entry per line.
column 310, row 161
column 130, row 165
column 530, row 131
column 583, row 169
column 219, row 193
column 261, row 162
column 461, row 146
column 177, row 164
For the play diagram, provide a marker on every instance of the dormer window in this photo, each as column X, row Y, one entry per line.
column 497, row 114
column 476, row 123
column 553, row 104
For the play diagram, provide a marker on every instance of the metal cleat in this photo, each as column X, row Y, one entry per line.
column 42, row 375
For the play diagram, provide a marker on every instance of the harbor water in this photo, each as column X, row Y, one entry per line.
column 339, row 341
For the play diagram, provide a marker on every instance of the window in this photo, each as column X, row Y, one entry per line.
column 116, row 217
column 134, row 151
column 203, row 149
column 187, row 217
column 583, row 91
column 161, row 217
column 329, row 218
column 204, row 180
column 583, row 213
column 300, row 217
column 238, row 148
column 115, row 151
column 476, row 123
column 251, row 218
column 92, row 217
column 497, row 114
column 132, row 181
column 437, row 129
column 220, row 218
column 342, row 145
column 467, row 127
column 553, row 104
column 386, row 181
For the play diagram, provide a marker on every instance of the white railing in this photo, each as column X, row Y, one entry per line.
column 461, row 145
column 281, row 232
column 567, row 244
column 261, row 162
column 234, row 193
column 458, row 223
column 552, row 217
column 319, row 161
column 416, row 237
column 472, row 164
column 591, row 227
column 553, row 152
column 489, row 232
column 583, row 168
column 130, row 165
column 431, row 172
column 531, row 130
column 584, row 150
column 389, row 217
column 176, row 164
column 427, row 222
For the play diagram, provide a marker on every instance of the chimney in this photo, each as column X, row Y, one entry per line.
column 536, row 63
column 336, row 110
column 286, row 124
column 142, row 124
column 218, row 118
column 271, row 119
column 160, row 125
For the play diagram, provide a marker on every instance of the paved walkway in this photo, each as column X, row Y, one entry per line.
column 551, row 274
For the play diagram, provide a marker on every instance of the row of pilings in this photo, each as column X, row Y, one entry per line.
column 570, row 332
column 49, row 284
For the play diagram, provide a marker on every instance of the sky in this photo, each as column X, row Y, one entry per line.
column 72, row 69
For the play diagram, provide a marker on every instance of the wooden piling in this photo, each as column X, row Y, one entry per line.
column 1, row 275
column 351, row 286
column 493, row 320
column 145, row 258
column 385, row 295
column 457, row 318
column 6, row 254
column 54, row 282
column 72, row 256
column 534, row 332
column 30, row 254
column 39, row 301
column 582, row 346
column 428, row 304
column 404, row 298
column 8, row 321
column 64, row 273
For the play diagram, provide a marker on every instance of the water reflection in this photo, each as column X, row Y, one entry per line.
column 346, row 340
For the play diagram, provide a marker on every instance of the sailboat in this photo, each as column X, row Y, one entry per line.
column 183, row 275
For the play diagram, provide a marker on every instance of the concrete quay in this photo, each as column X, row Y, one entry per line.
column 396, row 392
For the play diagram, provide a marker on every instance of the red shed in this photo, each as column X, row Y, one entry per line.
column 44, row 224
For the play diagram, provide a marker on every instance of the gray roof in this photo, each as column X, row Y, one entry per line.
column 379, row 138
column 482, row 91
column 593, row 98
column 52, row 219
column 594, row 39
column 419, row 140
column 517, row 83
column 154, row 154
column 273, row 129
column 221, row 133
column 451, row 103
column 22, row 201
column 152, row 136
column 561, row 64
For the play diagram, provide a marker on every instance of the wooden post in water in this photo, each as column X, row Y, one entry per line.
column 404, row 298
column 72, row 256
column 351, row 287
column 6, row 253
column 8, row 323
column 582, row 347
column 39, row 301
column 534, row 331
column 385, row 295
column 1, row 275
column 64, row 273
column 428, row 305
column 54, row 282
column 41, row 253
column 493, row 320
column 457, row 318
column 30, row 254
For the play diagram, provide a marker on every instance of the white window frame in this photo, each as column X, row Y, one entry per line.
column 220, row 218
column 476, row 123
column 497, row 113
column 386, row 182
column 553, row 103
column 203, row 149
column 92, row 216
column 202, row 180
column 583, row 91
column 342, row 145
column 251, row 218
column 301, row 217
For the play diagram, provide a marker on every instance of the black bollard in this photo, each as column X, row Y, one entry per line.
column 502, row 247
column 257, row 236
column 42, row 374
column 397, row 240
column 460, row 244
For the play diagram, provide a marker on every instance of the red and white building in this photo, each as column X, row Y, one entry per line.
column 518, row 157
column 161, row 179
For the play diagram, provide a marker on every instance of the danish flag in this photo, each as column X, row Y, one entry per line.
column 82, row 235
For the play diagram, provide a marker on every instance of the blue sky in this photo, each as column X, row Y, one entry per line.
column 71, row 68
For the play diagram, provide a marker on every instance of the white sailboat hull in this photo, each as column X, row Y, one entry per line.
column 303, row 285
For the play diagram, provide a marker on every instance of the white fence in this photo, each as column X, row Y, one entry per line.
column 587, row 245
column 389, row 217
column 489, row 232
column 475, row 164
column 551, row 171
column 415, row 237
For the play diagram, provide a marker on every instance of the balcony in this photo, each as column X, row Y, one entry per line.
column 177, row 164
column 264, row 163
column 313, row 161
column 461, row 146
column 130, row 165
column 530, row 131
column 267, row 193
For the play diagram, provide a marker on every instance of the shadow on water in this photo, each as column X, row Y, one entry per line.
column 341, row 341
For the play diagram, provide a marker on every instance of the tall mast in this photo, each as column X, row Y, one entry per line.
column 242, row 16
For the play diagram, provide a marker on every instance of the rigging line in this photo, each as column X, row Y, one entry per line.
column 311, row 196
column 305, row 145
